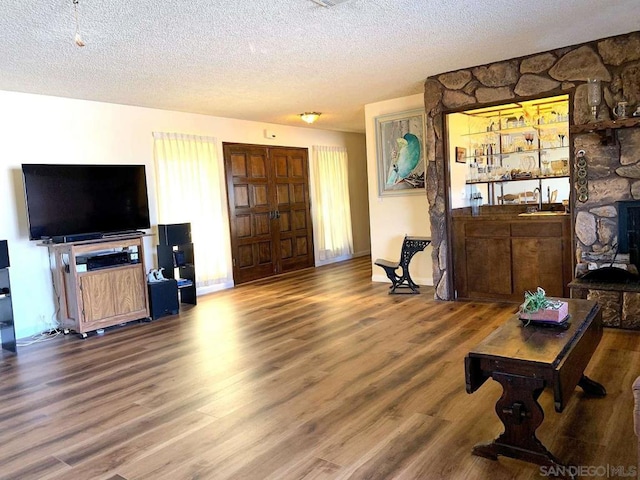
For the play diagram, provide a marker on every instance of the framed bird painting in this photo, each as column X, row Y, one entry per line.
column 400, row 148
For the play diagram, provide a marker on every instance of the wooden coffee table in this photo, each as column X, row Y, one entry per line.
column 526, row 360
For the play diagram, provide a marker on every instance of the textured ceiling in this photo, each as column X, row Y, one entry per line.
column 269, row 60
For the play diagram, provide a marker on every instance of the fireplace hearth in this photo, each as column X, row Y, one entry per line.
column 612, row 278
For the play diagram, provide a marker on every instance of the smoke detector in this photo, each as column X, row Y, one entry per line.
column 329, row 3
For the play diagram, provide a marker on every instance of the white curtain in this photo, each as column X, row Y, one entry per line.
column 330, row 204
column 188, row 190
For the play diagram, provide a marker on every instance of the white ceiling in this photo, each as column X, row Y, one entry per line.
column 269, row 60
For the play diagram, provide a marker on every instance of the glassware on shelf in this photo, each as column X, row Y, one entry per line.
column 549, row 137
column 476, row 201
column 519, row 144
column 546, row 169
column 528, row 137
column 507, row 145
column 511, row 122
column 527, row 164
column 562, row 113
column 473, row 171
column 561, row 136
column 482, row 172
column 560, row 167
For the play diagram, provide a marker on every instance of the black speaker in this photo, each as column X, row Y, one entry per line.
column 163, row 298
column 4, row 254
column 174, row 233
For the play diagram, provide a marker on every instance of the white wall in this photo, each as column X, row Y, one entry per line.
column 457, row 126
column 391, row 217
column 42, row 129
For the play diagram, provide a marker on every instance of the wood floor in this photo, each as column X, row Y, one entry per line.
column 315, row 375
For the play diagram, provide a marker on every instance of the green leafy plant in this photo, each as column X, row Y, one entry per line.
column 534, row 301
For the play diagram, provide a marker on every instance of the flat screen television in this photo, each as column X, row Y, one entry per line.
column 71, row 201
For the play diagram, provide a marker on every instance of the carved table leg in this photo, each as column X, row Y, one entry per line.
column 521, row 415
column 591, row 387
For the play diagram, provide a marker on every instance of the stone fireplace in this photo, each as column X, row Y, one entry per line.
column 613, row 170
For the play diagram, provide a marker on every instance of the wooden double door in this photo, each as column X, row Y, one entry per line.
column 269, row 210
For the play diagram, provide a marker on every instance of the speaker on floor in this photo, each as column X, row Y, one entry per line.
column 4, row 254
column 174, row 233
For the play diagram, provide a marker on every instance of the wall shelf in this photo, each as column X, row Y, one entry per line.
column 523, row 179
column 510, row 144
column 606, row 128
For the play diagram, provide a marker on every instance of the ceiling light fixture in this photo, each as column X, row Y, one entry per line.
column 329, row 3
column 310, row 117
column 77, row 38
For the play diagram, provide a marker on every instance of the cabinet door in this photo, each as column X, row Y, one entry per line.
column 488, row 267
column 538, row 262
column 112, row 292
column 128, row 288
column 97, row 297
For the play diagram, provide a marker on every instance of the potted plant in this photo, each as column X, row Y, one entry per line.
column 537, row 307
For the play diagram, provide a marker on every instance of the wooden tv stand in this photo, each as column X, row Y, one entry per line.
column 95, row 299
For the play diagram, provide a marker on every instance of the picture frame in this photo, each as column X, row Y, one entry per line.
column 400, row 148
column 461, row 154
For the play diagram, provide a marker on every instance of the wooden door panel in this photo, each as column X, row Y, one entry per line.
column 286, row 248
column 488, row 266
column 97, row 297
column 262, row 224
column 243, row 226
column 128, row 290
column 260, row 196
column 241, row 196
column 254, row 261
column 245, row 258
column 539, row 265
column 300, row 193
column 299, row 219
column 265, row 253
column 238, row 163
column 302, row 246
column 296, row 167
column 285, row 222
column 258, row 166
column 280, row 164
column 283, row 196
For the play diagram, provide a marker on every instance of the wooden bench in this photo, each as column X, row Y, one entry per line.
column 410, row 246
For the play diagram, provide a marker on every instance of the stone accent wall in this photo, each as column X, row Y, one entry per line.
column 614, row 172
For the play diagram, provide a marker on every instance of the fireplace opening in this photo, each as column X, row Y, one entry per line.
column 610, row 275
column 628, row 243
